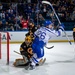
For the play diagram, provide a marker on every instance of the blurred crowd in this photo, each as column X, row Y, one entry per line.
column 15, row 16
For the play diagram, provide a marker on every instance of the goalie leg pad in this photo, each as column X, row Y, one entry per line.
column 19, row 62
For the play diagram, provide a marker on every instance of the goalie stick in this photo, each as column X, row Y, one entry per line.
column 46, row 2
column 17, row 52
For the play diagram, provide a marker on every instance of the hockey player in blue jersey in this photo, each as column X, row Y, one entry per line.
column 42, row 36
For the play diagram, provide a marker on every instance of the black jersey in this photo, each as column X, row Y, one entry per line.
column 74, row 32
column 32, row 29
column 25, row 49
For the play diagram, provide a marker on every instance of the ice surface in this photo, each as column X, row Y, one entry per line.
column 60, row 60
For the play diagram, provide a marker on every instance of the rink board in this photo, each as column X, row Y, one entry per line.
column 18, row 37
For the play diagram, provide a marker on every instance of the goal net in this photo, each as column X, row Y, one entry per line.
column 4, row 47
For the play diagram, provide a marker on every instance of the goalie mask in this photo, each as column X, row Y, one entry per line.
column 28, row 39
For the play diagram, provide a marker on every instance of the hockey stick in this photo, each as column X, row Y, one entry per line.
column 46, row 2
column 17, row 52
column 49, row 47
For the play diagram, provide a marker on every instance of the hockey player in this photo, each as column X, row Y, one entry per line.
column 31, row 29
column 27, row 54
column 74, row 33
column 42, row 36
column 25, row 51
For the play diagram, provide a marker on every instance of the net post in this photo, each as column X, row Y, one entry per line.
column 7, row 48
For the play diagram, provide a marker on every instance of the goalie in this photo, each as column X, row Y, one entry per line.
column 25, row 51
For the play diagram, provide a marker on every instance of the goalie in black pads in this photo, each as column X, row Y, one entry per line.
column 25, row 51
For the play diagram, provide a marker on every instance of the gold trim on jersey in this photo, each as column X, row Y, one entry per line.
column 21, row 49
column 73, row 29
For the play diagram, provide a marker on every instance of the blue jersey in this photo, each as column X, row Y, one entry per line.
column 42, row 36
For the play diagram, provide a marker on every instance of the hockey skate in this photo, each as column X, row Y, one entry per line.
column 41, row 62
column 31, row 67
column 27, row 67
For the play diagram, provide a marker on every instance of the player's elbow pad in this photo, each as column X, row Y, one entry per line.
column 59, row 32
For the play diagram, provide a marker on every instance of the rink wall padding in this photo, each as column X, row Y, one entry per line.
column 18, row 37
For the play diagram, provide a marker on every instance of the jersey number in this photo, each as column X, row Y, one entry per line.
column 41, row 35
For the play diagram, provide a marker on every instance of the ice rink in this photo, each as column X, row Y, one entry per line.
column 60, row 60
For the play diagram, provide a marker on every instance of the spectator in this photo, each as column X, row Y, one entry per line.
column 3, row 22
column 24, row 23
column 1, row 26
column 44, row 11
column 2, row 14
column 73, row 16
column 1, row 6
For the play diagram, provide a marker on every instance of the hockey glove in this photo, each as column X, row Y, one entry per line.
column 62, row 27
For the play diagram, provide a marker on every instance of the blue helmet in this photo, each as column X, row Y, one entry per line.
column 47, row 23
